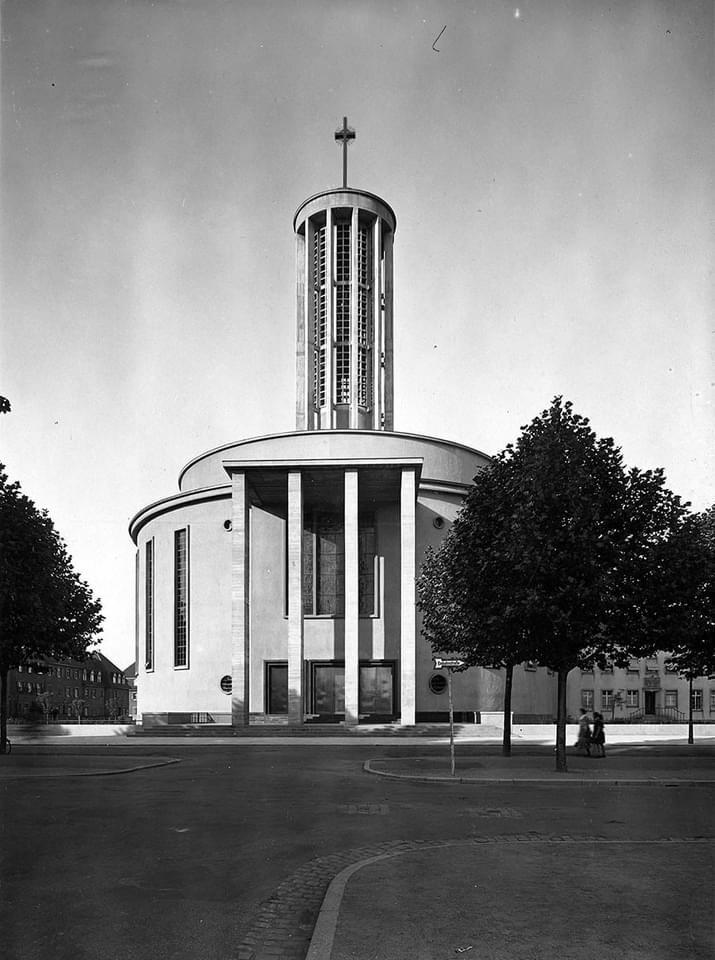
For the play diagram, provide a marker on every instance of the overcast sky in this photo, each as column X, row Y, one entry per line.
column 549, row 164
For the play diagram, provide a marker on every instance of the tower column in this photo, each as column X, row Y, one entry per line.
column 376, row 401
column 352, row 599
column 407, row 597
column 387, row 321
column 239, row 601
column 295, row 597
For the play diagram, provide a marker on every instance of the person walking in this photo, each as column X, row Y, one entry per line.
column 584, row 734
column 598, row 737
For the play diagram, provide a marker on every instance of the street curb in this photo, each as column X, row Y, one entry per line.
column 321, row 943
column 92, row 773
column 619, row 782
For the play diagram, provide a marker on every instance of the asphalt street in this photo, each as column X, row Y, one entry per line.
column 197, row 859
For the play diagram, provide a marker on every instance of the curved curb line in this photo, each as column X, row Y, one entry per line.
column 321, row 943
column 425, row 778
column 91, row 773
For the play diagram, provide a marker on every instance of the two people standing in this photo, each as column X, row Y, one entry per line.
column 588, row 738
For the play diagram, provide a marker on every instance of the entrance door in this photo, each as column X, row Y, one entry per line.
column 650, row 703
column 328, row 690
column 377, row 691
column 277, row 686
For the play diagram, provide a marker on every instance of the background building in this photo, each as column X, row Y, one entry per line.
column 88, row 690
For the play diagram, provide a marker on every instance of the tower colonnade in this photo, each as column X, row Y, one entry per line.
column 344, row 311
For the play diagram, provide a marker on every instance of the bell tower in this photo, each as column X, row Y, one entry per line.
column 344, row 308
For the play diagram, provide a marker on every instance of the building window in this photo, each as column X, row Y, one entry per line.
column 651, row 666
column 181, row 598
column 696, row 700
column 632, row 698
column 342, row 313
column 530, row 665
column 670, row 667
column 607, row 668
column 634, row 666
column 364, row 332
column 319, row 318
column 324, row 565
column 438, row 683
column 586, row 670
column 671, row 698
column 587, row 699
column 606, row 699
column 149, row 605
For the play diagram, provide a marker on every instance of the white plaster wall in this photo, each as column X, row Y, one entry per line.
column 195, row 689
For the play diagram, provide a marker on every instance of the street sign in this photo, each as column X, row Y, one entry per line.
column 440, row 662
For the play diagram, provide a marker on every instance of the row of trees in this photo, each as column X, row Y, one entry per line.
column 563, row 556
column 46, row 609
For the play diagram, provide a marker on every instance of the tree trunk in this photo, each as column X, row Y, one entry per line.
column 3, row 709
column 506, row 742
column 561, row 724
column 691, row 739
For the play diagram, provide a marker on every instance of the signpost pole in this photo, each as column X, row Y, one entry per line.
column 451, row 720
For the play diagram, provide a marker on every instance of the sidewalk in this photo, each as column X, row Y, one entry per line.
column 507, row 897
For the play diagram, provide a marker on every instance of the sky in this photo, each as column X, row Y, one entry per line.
column 549, row 164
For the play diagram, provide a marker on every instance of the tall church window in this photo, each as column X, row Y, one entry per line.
column 181, row 598
column 320, row 318
column 149, row 605
column 324, row 565
column 364, row 318
column 342, row 313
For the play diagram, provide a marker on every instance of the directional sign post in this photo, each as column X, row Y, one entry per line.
column 450, row 665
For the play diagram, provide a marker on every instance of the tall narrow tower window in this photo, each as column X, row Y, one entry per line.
column 342, row 313
column 320, row 315
column 364, row 332
column 149, row 606
column 181, row 598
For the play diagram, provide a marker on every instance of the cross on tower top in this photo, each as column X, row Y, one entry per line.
column 345, row 134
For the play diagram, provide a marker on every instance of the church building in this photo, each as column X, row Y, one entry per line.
column 278, row 584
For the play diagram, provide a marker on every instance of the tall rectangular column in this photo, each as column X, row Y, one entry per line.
column 352, row 599
column 407, row 597
column 295, row 597
column 240, row 601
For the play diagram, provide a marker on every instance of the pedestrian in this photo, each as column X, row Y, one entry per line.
column 598, row 737
column 584, row 734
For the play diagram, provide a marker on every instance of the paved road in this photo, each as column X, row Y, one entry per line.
column 229, row 852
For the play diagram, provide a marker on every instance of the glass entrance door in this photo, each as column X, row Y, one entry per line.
column 328, row 689
column 377, row 691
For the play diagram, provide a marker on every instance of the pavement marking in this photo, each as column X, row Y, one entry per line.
column 371, row 809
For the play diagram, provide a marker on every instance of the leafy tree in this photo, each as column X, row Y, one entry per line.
column 551, row 557
column 46, row 610
column 465, row 590
column 687, row 572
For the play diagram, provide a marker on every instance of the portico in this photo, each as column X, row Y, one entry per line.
column 335, row 583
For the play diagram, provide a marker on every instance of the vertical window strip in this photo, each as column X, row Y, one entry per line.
column 181, row 583
column 364, row 332
column 342, row 313
column 319, row 318
column 149, row 605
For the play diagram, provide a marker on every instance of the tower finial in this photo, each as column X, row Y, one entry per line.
column 345, row 134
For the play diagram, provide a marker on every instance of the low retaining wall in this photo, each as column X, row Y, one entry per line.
column 42, row 731
column 644, row 731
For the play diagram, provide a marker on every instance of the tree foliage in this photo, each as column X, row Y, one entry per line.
column 46, row 609
column 551, row 557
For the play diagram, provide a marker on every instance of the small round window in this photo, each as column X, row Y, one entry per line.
column 227, row 683
column 438, row 683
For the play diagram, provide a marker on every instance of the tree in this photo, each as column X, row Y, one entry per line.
column 465, row 592
column 46, row 610
column 687, row 572
column 551, row 556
